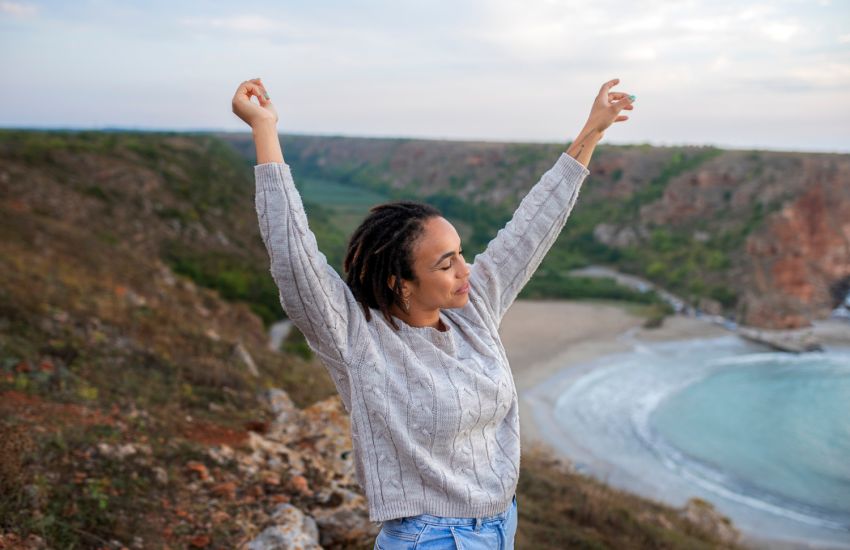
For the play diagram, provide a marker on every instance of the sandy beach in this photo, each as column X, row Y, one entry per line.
column 546, row 336
column 550, row 337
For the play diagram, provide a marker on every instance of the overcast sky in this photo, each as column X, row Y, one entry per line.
column 772, row 75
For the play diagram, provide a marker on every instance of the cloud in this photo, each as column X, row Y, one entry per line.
column 780, row 31
column 641, row 53
column 18, row 9
column 289, row 29
column 442, row 68
column 239, row 23
column 819, row 77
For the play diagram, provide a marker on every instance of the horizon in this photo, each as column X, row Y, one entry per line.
column 604, row 141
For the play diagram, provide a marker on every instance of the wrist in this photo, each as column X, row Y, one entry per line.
column 589, row 135
column 583, row 145
column 264, row 127
column 585, row 141
column 267, row 143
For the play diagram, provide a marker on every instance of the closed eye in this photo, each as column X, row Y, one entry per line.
column 450, row 265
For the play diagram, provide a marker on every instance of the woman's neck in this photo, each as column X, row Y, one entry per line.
column 418, row 318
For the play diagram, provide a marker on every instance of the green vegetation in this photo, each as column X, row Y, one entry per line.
column 681, row 265
column 549, row 285
column 234, row 276
column 671, row 258
column 334, row 211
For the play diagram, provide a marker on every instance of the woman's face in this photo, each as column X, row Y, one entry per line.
column 440, row 268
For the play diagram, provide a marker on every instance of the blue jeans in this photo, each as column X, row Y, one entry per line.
column 427, row 532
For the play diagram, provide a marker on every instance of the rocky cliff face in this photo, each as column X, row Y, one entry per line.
column 797, row 254
column 800, row 258
column 309, row 452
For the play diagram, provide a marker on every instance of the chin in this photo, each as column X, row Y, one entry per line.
column 461, row 300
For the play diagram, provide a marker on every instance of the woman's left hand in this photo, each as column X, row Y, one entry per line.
column 607, row 106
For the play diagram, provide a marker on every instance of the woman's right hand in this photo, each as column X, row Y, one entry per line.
column 250, row 112
column 607, row 106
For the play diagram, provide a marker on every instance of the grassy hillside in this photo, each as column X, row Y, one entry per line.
column 134, row 302
column 105, row 339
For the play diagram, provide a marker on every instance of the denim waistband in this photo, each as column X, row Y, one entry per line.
column 439, row 520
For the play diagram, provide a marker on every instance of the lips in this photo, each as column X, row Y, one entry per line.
column 464, row 289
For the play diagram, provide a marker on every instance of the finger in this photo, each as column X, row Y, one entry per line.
column 242, row 92
column 259, row 82
column 625, row 103
column 617, row 95
column 252, row 89
column 610, row 84
column 621, row 118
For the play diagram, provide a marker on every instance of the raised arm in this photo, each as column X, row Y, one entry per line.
column 312, row 294
column 500, row 272
column 511, row 258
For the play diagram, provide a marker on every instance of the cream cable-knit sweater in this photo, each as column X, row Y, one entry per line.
column 434, row 415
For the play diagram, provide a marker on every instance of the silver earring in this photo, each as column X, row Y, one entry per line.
column 406, row 305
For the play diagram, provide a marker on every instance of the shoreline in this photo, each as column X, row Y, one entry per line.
column 544, row 337
column 557, row 341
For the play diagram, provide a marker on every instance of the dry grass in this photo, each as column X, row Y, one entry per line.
column 562, row 509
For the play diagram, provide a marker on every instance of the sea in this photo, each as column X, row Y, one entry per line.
column 763, row 435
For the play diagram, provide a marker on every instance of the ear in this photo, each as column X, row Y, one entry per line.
column 404, row 287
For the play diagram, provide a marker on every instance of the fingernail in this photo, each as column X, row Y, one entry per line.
column 632, row 98
column 266, row 95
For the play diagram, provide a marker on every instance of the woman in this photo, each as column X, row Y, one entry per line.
column 410, row 337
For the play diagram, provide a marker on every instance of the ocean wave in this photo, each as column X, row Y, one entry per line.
column 618, row 402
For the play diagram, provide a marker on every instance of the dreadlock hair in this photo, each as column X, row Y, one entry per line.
column 382, row 246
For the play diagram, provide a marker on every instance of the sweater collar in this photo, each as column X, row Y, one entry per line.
column 444, row 340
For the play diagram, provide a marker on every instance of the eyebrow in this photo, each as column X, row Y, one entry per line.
column 444, row 256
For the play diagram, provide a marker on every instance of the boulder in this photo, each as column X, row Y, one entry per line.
column 292, row 529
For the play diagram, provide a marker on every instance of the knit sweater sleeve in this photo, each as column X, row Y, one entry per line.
column 500, row 272
column 312, row 294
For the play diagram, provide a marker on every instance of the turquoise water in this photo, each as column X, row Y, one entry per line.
column 763, row 435
column 775, row 427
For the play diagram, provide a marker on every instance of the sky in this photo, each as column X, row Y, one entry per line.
column 734, row 74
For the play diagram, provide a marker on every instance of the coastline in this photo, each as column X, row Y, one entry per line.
column 557, row 341
column 544, row 337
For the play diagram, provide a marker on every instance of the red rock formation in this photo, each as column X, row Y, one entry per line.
column 802, row 250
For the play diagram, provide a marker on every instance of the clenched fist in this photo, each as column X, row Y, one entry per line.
column 252, row 113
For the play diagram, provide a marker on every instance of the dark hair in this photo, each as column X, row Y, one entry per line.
column 382, row 246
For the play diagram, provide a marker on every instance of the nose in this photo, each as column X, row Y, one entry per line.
column 467, row 271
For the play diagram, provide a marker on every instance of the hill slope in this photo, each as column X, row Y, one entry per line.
column 761, row 237
column 137, row 393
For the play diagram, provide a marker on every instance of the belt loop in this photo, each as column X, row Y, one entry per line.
column 477, row 525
